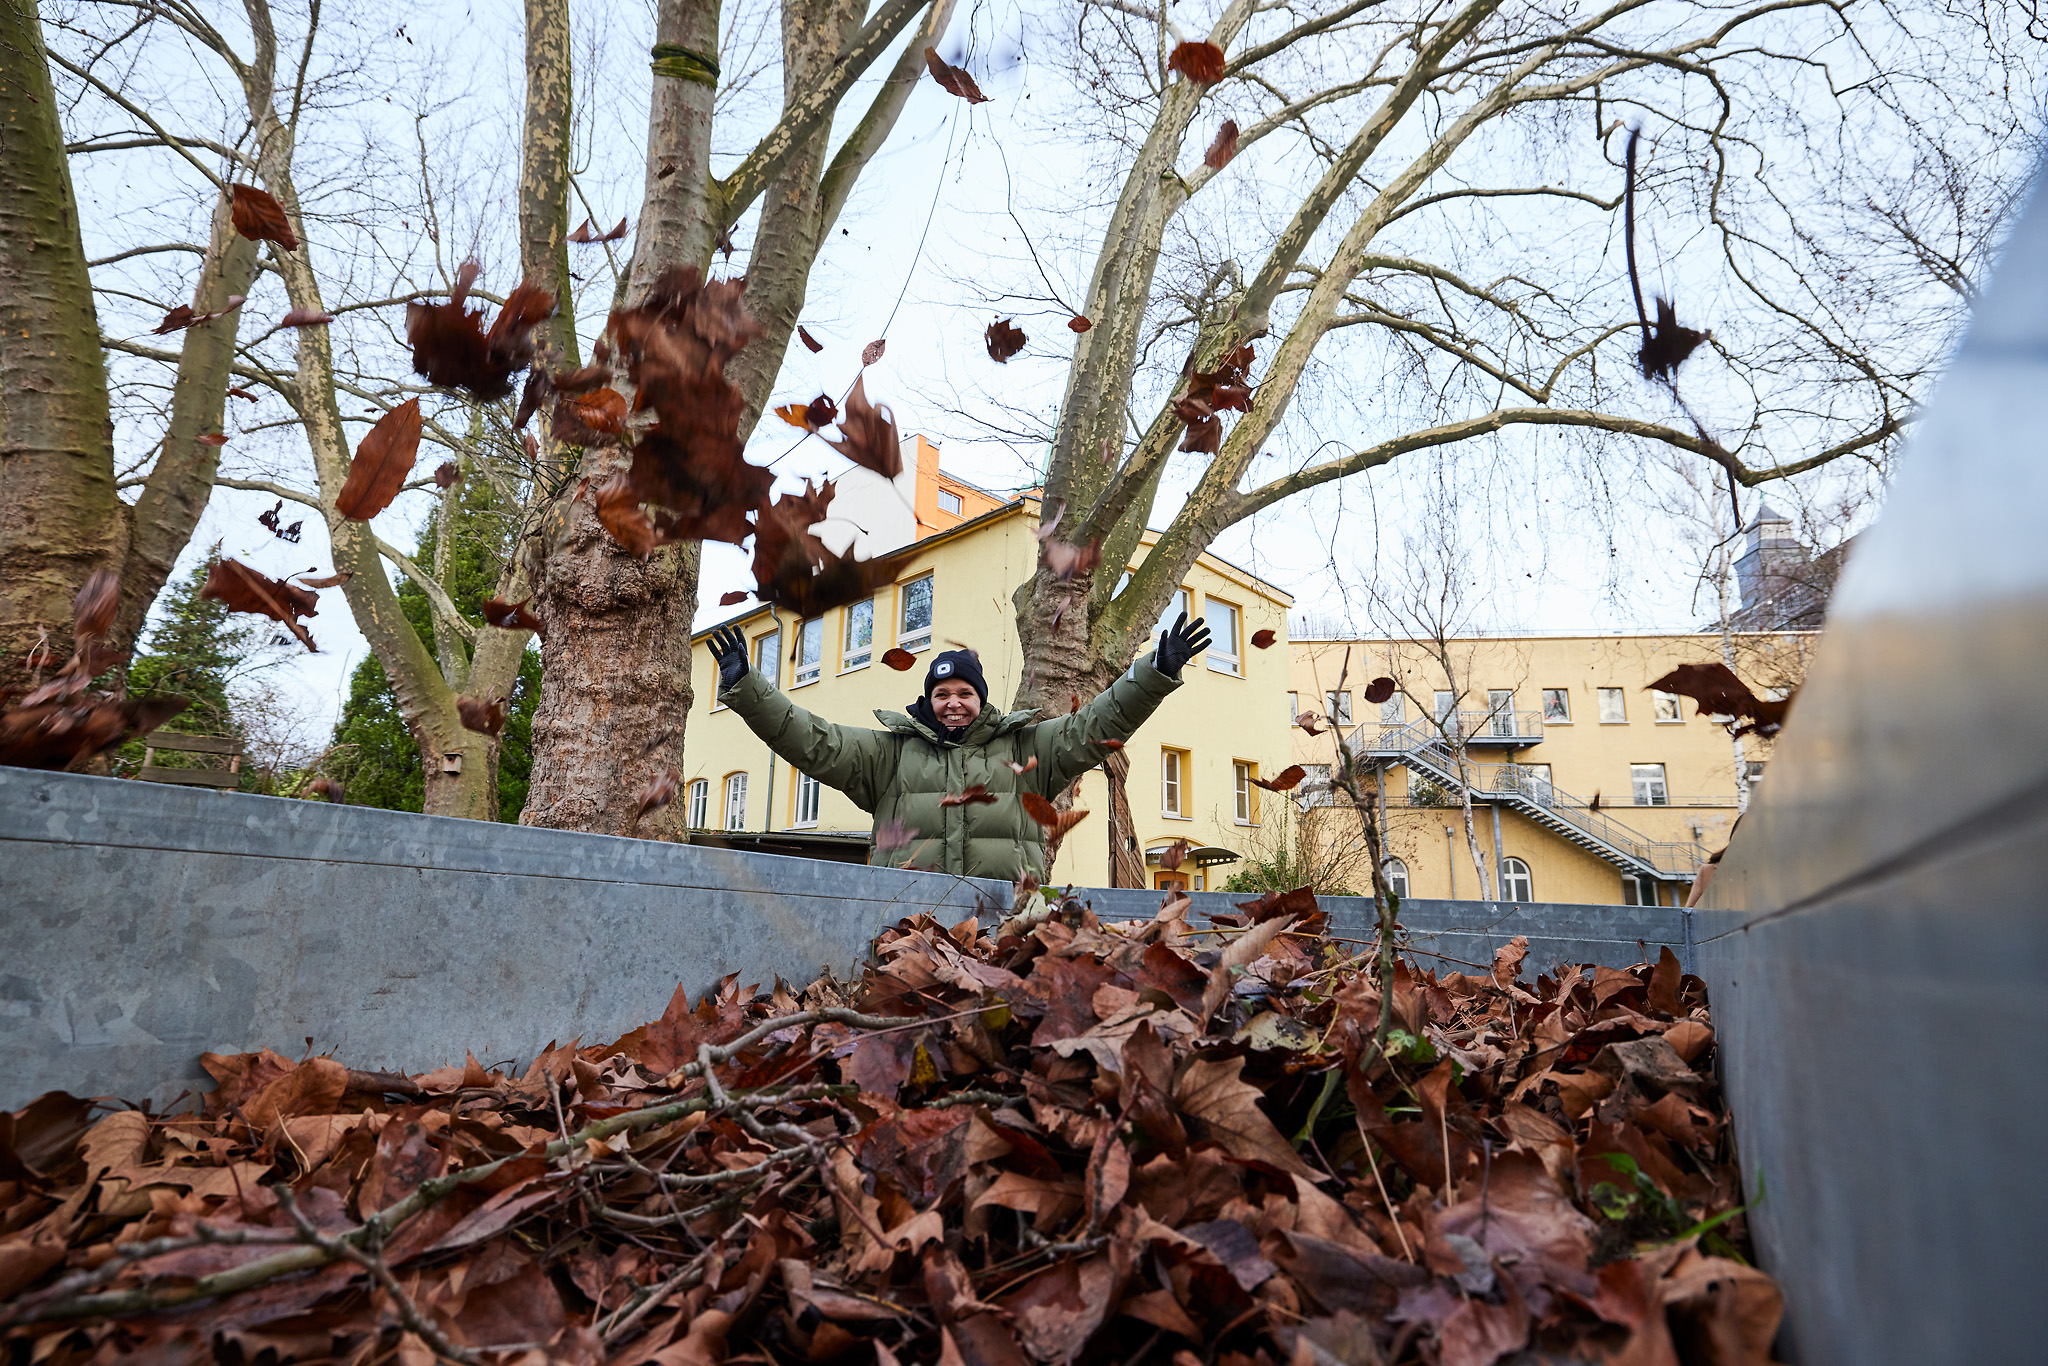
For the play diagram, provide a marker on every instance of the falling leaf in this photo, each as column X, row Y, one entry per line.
column 261, row 218
column 733, row 598
column 891, row 835
column 1078, row 323
column 486, row 716
column 586, row 235
column 1286, row 780
column 1296, row 901
column 803, row 335
column 1067, row 561
column 1110, row 744
column 1713, row 687
column 975, row 795
column 899, row 659
column 1073, row 703
column 1201, row 62
column 305, row 317
column 512, row 616
column 1209, row 392
column 656, row 792
column 1242, row 950
column 1174, row 854
column 447, row 474
column 868, row 432
column 1668, row 344
column 241, row 393
column 619, row 512
column 1055, row 821
column 384, row 457
column 1380, row 690
column 1311, row 722
column 872, row 352
column 327, row 581
column 326, row 789
column 273, row 517
column 795, row 570
column 245, row 590
column 1022, row 768
column 1263, row 640
column 593, row 419
column 183, row 317
column 952, row 79
column 451, row 348
column 1223, row 148
column 211, row 439
column 1594, row 805
column 1004, row 340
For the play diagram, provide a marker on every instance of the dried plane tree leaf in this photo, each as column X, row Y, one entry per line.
column 1310, row 722
column 1174, row 854
column 1264, row 639
column 451, row 348
column 273, row 519
column 1020, row 769
column 1286, row 780
column 952, row 79
column 619, row 512
column 1079, row 323
column 811, row 342
column 305, row 317
column 1223, row 147
column 182, row 317
column 656, row 792
column 1209, row 392
column 383, row 460
column 819, row 413
column 211, row 439
column 1004, row 338
column 733, row 598
column 512, row 616
column 872, row 352
column 335, row 580
column 1066, row 561
column 1055, row 821
column 1201, row 62
column 1380, row 690
column 260, row 218
column 899, row 659
column 484, row 715
column 1669, row 344
column 245, row 590
column 447, row 475
column 975, row 795
column 868, row 435
column 586, row 235
column 593, row 419
column 327, row 789
column 241, row 393
column 794, row 569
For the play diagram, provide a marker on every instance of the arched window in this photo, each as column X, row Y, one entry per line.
column 700, row 803
column 736, row 801
column 1396, row 873
column 1515, row 884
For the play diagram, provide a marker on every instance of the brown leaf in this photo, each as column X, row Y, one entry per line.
column 1311, row 722
column 1174, row 854
column 241, row 393
column 953, row 80
column 1110, row 744
column 1201, row 62
column 211, row 439
column 1079, row 323
column 335, row 580
column 384, row 457
column 1023, row 768
column 1223, row 148
column 1286, row 780
column 512, row 616
column 1380, row 690
column 1264, row 640
column 736, row 596
column 274, row 521
column 899, row 659
column 447, row 475
column 1004, row 339
column 1055, row 821
column 617, row 504
column 245, row 590
column 602, row 411
column 451, row 348
column 794, row 569
column 868, row 432
column 872, row 352
column 305, row 317
column 810, row 341
column 1296, row 901
column 486, row 716
column 1243, row 949
column 1228, row 1108
column 93, row 606
column 327, row 789
column 1667, row 347
column 656, row 792
column 261, row 218
column 1069, row 561
column 975, row 795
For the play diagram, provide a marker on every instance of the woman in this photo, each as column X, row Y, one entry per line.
column 948, row 742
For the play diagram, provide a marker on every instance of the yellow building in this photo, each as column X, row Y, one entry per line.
column 1191, row 766
column 1587, row 785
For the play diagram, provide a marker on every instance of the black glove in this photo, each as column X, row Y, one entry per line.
column 1178, row 646
column 729, row 648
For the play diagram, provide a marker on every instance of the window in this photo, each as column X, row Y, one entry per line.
column 1536, row 781
column 1173, row 788
column 1175, row 606
column 1394, row 711
column 1337, row 706
column 1293, row 706
column 736, row 801
column 1443, row 705
column 807, row 790
column 699, row 804
column 768, row 657
column 1500, row 711
column 1648, row 780
column 810, row 650
column 1247, row 796
column 1222, row 652
column 1613, row 707
column 1638, row 890
column 1754, row 768
column 914, row 614
column 859, row 644
column 1515, row 883
column 1396, row 874
column 1316, row 789
column 950, row 502
column 1664, row 707
column 1557, row 706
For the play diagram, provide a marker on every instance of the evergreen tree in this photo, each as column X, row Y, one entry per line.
column 194, row 651
column 375, row 756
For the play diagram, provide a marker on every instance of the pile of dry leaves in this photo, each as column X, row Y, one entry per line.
column 1068, row 1142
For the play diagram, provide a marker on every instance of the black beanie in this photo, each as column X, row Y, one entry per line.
column 962, row 666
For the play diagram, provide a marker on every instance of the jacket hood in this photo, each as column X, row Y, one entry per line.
column 985, row 728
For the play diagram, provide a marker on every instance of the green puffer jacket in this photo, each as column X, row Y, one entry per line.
column 901, row 773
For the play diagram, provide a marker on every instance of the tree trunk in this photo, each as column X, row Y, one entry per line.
column 59, row 516
column 1126, row 859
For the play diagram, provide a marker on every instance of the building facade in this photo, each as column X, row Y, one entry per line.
column 1191, row 766
column 1587, row 785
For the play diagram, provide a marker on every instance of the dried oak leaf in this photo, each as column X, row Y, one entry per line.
column 512, row 616
column 952, row 79
column 733, row 598
column 260, row 218
column 451, row 348
column 1264, row 640
column 1079, row 323
column 899, row 659
column 1223, row 148
column 1055, row 821
column 245, row 590
column 1380, row 690
column 656, row 792
column 868, row 435
column 485, row 715
column 384, row 457
column 804, row 336
column 1004, row 338
column 976, row 795
column 1668, row 344
column 1286, row 780
column 305, row 317
column 1201, row 62
column 447, row 475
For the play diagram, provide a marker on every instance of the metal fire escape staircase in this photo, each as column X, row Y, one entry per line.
column 1427, row 753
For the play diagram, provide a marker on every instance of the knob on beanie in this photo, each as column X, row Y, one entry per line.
column 958, row 665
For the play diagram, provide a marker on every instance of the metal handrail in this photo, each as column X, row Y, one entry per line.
column 1488, row 725
column 1421, row 739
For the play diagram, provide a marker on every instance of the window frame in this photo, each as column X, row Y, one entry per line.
column 1512, row 871
column 1182, row 599
column 1230, row 665
column 1619, row 696
column 1244, row 796
column 735, row 792
column 1395, row 871
column 810, row 633
column 1660, row 785
column 1173, row 782
column 959, row 508
column 1563, row 697
column 1497, row 715
column 849, row 659
column 768, row 663
column 1337, row 706
column 1394, row 711
column 805, row 785
column 1293, row 706
column 915, row 641
column 1659, row 700
column 1317, row 787
column 697, row 803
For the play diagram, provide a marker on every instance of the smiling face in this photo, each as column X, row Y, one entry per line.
column 956, row 704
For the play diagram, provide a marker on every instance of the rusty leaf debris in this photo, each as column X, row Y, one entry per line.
column 1076, row 1141
column 260, row 218
column 485, row 715
column 512, row 616
column 952, row 79
column 1201, row 62
column 58, row 722
column 245, row 590
column 383, row 459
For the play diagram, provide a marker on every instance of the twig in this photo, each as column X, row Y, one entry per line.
column 408, row 1312
column 1393, row 1216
